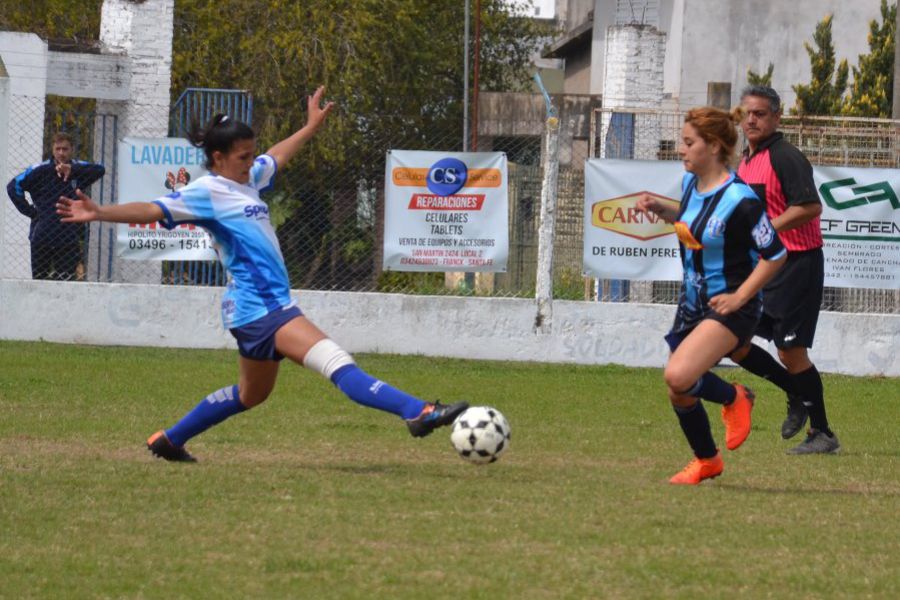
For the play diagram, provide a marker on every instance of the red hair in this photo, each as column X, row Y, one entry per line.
column 716, row 126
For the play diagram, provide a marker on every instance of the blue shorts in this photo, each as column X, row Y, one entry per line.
column 256, row 339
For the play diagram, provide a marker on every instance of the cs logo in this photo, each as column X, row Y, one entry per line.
column 447, row 176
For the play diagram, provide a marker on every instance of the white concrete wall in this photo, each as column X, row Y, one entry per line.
column 102, row 76
column 634, row 66
column 475, row 328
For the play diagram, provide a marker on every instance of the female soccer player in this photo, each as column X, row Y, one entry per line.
column 257, row 307
column 729, row 250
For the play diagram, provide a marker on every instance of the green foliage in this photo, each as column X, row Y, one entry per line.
column 56, row 20
column 568, row 284
column 824, row 93
column 392, row 66
column 872, row 92
column 418, row 283
column 754, row 78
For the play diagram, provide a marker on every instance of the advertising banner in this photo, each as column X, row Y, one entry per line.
column 147, row 169
column 446, row 211
column 860, row 223
column 619, row 241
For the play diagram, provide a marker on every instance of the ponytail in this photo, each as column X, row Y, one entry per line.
column 218, row 136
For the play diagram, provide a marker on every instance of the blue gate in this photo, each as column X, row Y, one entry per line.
column 198, row 105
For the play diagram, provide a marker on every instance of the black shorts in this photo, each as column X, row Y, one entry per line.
column 742, row 324
column 791, row 301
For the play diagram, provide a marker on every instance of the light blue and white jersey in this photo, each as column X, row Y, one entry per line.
column 244, row 239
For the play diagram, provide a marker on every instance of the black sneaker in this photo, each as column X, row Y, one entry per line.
column 434, row 416
column 817, row 442
column 161, row 447
column 796, row 417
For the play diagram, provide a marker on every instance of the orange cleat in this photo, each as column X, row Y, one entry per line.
column 699, row 469
column 736, row 417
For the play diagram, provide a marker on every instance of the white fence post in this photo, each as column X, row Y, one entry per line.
column 543, row 321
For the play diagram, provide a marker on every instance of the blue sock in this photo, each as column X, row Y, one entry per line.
column 364, row 389
column 212, row 410
column 713, row 388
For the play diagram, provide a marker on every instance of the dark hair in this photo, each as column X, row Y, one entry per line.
column 717, row 126
column 62, row 136
column 219, row 135
column 764, row 91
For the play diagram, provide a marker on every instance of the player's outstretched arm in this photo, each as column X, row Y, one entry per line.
column 648, row 204
column 82, row 209
column 285, row 150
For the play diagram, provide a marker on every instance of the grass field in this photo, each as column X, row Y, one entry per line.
column 312, row 496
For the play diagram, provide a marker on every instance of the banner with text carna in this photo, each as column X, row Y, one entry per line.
column 860, row 223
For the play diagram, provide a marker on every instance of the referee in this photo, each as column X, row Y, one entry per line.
column 782, row 177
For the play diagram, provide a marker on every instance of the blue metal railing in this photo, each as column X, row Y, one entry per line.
column 197, row 106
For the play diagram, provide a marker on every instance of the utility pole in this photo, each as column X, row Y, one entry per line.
column 465, row 144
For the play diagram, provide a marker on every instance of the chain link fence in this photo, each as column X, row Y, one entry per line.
column 330, row 219
column 38, row 245
column 644, row 134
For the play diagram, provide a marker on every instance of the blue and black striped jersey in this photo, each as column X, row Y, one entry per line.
column 721, row 233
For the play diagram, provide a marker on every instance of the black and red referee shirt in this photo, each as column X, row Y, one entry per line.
column 781, row 176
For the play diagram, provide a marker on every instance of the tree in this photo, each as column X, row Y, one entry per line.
column 754, row 78
column 54, row 20
column 825, row 91
column 394, row 66
column 871, row 94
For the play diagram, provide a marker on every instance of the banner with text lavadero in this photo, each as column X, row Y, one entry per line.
column 446, row 211
column 860, row 223
column 147, row 169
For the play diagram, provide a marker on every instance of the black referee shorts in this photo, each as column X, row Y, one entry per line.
column 791, row 301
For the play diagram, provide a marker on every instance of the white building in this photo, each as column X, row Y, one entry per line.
column 707, row 41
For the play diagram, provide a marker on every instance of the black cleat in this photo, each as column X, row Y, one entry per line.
column 434, row 416
column 796, row 417
column 817, row 442
column 161, row 447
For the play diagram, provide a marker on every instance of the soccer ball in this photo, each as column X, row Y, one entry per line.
column 480, row 434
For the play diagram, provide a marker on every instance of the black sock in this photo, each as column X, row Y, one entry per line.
column 695, row 425
column 762, row 364
column 713, row 388
column 809, row 385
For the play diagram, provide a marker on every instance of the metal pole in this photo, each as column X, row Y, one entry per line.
column 465, row 144
column 895, row 108
column 475, row 75
column 543, row 320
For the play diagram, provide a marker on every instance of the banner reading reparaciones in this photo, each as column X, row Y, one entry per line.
column 149, row 168
column 446, row 211
column 860, row 223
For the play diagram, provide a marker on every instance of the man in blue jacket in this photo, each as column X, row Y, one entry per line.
column 55, row 246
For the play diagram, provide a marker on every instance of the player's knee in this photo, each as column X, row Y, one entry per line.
column 795, row 360
column 326, row 357
column 678, row 381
